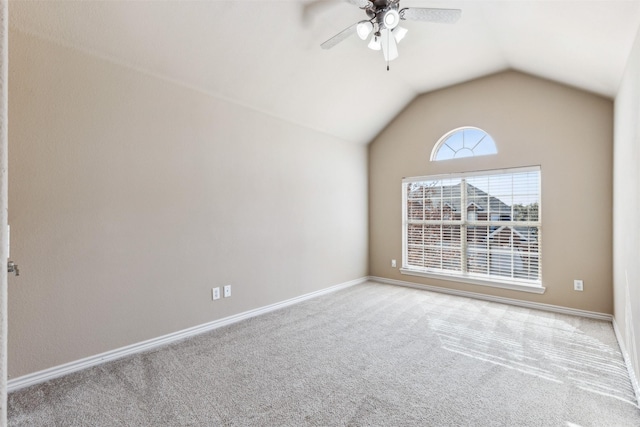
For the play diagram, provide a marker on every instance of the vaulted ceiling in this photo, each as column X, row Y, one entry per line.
column 266, row 55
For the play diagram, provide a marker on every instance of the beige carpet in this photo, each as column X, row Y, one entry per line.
column 370, row 355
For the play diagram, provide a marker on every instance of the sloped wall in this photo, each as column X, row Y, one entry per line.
column 568, row 132
column 131, row 197
column 626, row 248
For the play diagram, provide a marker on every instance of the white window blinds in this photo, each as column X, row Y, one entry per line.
column 483, row 225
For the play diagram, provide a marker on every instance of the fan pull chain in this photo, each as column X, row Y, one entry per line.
column 388, row 48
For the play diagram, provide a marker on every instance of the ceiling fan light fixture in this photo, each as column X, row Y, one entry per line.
column 363, row 29
column 399, row 33
column 374, row 43
column 391, row 19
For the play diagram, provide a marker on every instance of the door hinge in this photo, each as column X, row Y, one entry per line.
column 12, row 268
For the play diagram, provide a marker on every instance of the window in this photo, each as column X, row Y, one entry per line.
column 480, row 227
column 463, row 142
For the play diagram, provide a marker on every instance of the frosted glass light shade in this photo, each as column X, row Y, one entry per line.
column 399, row 33
column 391, row 19
column 363, row 29
column 375, row 43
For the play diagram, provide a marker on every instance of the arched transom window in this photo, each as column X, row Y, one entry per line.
column 463, row 142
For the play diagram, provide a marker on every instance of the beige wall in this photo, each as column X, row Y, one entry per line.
column 131, row 197
column 4, row 138
column 626, row 237
column 534, row 122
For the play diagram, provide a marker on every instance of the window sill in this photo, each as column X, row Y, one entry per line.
column 474, row 281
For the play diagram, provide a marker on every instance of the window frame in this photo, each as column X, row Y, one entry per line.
column 444, row 138
column 463, row 275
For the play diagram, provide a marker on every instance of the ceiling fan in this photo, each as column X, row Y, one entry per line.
column 383, row 24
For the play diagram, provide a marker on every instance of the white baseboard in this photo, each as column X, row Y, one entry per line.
column 627, row 361
column 510, row 301
column 67, row 368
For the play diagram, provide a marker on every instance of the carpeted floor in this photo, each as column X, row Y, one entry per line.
column 369, row 355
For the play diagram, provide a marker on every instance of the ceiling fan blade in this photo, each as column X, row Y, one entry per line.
column 389, row 46
column 445, row 16
column 342, row 35
column 360, row 3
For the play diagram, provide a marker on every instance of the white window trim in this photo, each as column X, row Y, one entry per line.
column 466, row 278
column 471, row 174
column 494, row 282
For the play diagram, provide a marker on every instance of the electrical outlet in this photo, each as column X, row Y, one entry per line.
column 578, row 285
column 227, row 291
column 215, row 293
column 393, row 263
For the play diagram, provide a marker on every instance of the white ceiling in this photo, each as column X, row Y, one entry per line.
column 266, row 54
